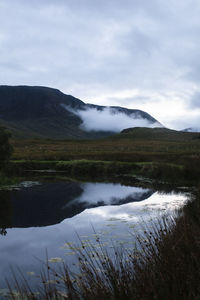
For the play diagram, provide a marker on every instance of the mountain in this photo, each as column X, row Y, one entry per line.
column 192, row 129
column 42, row 112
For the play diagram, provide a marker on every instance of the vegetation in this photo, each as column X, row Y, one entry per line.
column 5, row 154
column 156, row 153
column 5, row 147
column 144, row 145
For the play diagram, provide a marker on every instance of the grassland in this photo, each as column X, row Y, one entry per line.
column 156, row 154
column 140, row 144
column 123, row 147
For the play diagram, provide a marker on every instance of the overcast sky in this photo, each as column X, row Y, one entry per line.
column 141, row 54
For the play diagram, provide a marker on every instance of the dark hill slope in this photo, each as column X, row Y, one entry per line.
column 142, row 133
column 36, row 112
column 41, row 112
column 22, row 102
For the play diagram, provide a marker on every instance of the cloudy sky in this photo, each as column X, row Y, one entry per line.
column 141, row 54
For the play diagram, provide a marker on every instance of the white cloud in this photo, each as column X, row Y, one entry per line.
column 109, row 119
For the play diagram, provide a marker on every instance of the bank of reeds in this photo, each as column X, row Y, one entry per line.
column 187, row 172
column 164, row 264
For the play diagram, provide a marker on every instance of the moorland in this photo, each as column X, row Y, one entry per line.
column 158, row 153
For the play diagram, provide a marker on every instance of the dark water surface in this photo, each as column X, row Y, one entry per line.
column 37, row 216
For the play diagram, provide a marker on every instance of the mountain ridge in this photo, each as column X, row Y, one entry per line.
column 41, row 112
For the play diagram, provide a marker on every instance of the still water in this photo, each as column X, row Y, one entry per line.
column 38, row 217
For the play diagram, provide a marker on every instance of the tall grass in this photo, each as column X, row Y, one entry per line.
column 187, row 173
column 110, row 149
column 164, row 264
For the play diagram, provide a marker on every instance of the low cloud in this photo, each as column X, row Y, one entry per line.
column 109, row 119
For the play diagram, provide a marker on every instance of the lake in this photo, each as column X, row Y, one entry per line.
column 41, row 216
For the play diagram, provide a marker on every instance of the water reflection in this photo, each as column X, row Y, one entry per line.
column 100, row 194
column 51, row 202
column 69, row 208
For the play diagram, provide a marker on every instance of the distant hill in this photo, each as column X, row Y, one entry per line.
column 157, row 134
column 192, row 129
column 42, row 112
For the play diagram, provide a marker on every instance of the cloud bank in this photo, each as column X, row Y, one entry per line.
column 109, row 119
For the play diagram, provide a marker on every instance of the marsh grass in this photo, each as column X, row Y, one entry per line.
column 163, row 264
column 186, row 172
column 108, row 149
column 169, row 159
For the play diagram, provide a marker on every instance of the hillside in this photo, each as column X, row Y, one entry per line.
column 192, row 129
column 41, row 112
column 164, row 134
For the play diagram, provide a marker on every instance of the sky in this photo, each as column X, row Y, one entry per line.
column 139, row 54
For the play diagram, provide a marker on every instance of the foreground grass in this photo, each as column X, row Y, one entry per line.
column 165, row 264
